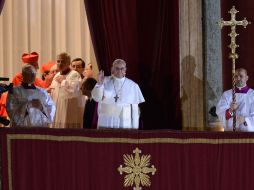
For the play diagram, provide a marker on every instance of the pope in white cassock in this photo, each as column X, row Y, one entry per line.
column 244, row 105
column 28, row 105
column 118, row 99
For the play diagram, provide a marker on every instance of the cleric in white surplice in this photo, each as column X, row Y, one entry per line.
column 118, row 99
column 244, row 105
column 28, row 105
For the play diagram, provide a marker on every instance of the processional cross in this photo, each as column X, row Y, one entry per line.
column 233, row 55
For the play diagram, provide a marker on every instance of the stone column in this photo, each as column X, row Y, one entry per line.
column 201, row 61
column 212, row 56
column 191, row 64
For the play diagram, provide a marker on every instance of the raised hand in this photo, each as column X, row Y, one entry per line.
column 100, row 78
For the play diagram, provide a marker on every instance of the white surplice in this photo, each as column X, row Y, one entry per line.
column 245, row 109
column 69, row 102
column 118, row 103
column 21, row 114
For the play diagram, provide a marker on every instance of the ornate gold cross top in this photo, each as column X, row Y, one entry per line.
column 233, row 23
column 233, row 55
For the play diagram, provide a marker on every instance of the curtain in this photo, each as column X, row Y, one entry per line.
column 146, row 34
column 1, row 5
column 113, row 28
column 51, row 159
column 245, row 41
column 45, row 26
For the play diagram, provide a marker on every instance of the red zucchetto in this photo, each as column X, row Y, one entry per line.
column 47, row 66
column 30, row 57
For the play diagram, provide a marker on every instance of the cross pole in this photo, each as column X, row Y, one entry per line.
column 233, row 55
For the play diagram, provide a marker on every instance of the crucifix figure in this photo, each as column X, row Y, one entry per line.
column 233, row 55
column 116, row 98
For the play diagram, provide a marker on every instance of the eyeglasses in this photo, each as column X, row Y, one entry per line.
column 120, row 68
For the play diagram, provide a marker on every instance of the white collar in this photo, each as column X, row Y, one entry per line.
column 240, row 88
column 118, row 79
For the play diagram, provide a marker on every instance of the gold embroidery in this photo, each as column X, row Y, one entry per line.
column 11, row 137
column 9, row 162
column 137, row 169
column 190, row 140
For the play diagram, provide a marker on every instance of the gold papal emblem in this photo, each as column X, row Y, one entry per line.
column 137, row 170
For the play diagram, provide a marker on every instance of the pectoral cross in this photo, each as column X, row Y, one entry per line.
column 233, row 55
column 116, row 98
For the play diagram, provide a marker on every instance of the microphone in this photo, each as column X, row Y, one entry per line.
column 4, row 79
column 4, row 121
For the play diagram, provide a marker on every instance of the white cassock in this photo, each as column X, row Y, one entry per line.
column 118, row 103
column 246, row 109
column 21, row 114
column 68, row 99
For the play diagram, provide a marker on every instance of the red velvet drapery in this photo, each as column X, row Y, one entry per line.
column 146, row 34
column 54, row 159
column 1, row 5
column 245, row 41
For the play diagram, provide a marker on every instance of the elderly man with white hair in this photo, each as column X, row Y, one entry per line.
column 28, row 105
column 118, row 98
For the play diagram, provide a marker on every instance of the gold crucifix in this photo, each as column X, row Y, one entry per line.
column 233, row 55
